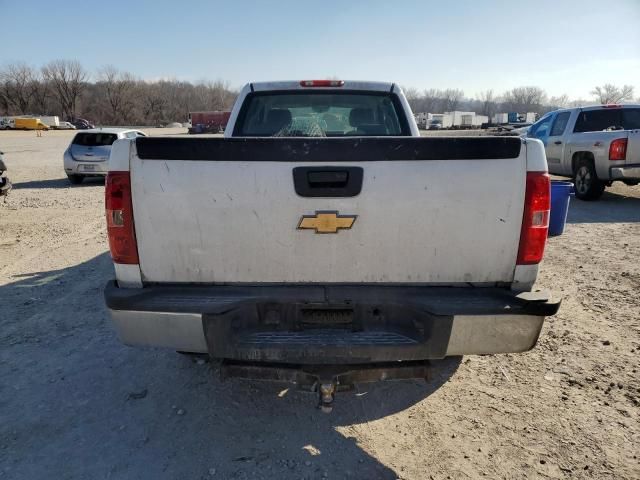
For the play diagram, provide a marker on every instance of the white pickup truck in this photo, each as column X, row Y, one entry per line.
column 323, row 241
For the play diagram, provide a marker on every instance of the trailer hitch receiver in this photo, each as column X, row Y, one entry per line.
column 326, row 380
column 326, row 393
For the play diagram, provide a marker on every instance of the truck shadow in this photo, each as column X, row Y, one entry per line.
column 610, row 208
column 82, row 405
column 59, row 183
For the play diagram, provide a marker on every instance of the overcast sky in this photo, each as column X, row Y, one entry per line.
column 566, row 46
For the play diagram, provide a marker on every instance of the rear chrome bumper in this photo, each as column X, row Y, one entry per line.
column 179, row 331
column 631, row 172
column 263, row 324
column 470, row 334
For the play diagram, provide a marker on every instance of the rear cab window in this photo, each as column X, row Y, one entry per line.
column 94, row 139
column 321, row 114
column 608, row 118
column 631, row 118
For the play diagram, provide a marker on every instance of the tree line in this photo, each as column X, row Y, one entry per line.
column 519, row 99
column 114, row 97
column 65, row 88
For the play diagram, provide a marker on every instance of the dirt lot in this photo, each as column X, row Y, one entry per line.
column 76, row 404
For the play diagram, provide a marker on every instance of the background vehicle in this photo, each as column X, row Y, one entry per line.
column 88, row 153
column 208, row 122
column 82, row 124
column 422, row 120
column 52, row 121
column 595, row 145
column 66, row 126
column 5, row 184
column 345, row 244
column 28, row 124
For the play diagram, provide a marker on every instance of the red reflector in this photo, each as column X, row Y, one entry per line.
column 618, row 149
column 611, row 105
column 321, row 83
column 119, row 210
column 535, row 221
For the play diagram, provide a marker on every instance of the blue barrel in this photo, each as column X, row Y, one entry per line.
column 560, row 194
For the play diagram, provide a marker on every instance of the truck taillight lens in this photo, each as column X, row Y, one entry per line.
column 618, row 149
column 122, row 237
column 535, row 222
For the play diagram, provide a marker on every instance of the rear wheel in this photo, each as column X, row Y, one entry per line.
column 587, row 184
column 75, row 179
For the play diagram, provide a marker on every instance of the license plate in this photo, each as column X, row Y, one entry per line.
column 88, row 168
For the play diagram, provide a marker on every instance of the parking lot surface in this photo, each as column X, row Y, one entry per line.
column 76, row 404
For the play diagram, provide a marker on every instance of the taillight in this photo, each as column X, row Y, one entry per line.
column 618, row 149
column 535, row 222
column 122, row 237
column 321, row 83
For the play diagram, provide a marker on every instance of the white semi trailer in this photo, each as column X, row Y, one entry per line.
column 53, row 121
column 455, row 119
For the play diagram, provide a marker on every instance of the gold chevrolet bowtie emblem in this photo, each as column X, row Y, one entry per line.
column 326, row 222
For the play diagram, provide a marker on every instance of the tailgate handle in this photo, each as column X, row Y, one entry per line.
column 327, row 181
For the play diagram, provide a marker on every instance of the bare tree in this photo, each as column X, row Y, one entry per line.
column 451, row 98
column 40, row 94
column 580, row 102
column 432, row 100
column 413, row 97
column 525, row 99
column 609, row 93
column 489, row 105
column 118, row 98
column 16, row 81
column 115, row 98
column 561, row 101
column 6, row 99
column 154, row 104
column 119, row 90
column 222, row 95
column 67, row 78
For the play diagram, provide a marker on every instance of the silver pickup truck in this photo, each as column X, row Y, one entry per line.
column 323, row 241
column 594, row 145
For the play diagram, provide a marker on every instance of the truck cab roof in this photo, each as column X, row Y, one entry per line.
column 588, row 108
column 114, row 130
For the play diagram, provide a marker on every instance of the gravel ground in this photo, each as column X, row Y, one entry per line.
column 75, row 403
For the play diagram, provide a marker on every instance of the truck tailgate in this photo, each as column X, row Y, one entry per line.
column 430, row 210
column 633, row 148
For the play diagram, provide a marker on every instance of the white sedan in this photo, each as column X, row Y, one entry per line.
column 89, row 151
